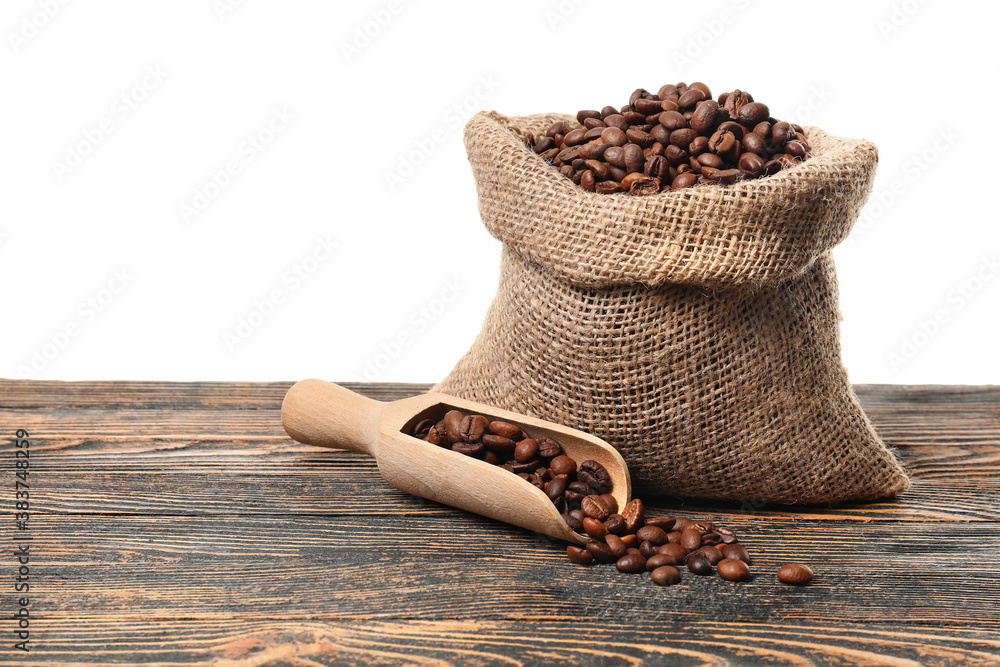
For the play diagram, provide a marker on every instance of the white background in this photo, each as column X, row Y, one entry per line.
column 917, row 279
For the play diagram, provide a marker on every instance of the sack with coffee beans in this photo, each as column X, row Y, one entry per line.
column 696, row 330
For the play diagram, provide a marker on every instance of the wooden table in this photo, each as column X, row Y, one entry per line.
column 177, row 523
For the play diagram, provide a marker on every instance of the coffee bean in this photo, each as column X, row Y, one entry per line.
column 676, row 551
column 653, row 534
column 751, row 164
column 528, row 467
column 647, row 548
column 548, row 448
column 474, row 449
column 647, row 185
column 631, row 563
column 712, row 554
column 656, row 166
column 613, row 136
column 795, row 574
column 453, row 425
column 710, row 160
column 796, row 149
column 581, row 116
column 674, row 537
column 505, row 430
column 698, row 564
column 600, row 551
column 615, row 523
column 728, row 535
column 690, row 98
column 638, row 137
column 610, row 501
column 472, row 427
column 630, row 541
column 578, row 515
column 731, row 569
column 608, row 188
column 437, row 436
column 616, row 545
column 579, row 556
column 665, row 576
column 691, row 539
column 594, row 474
column 736, row 551
column 563, row 465
column 633, row 158
column 526, row 450
column 659, row 560
column 753, row 113
column 704, row 117
column 685, row 180
column 617, row 121
column 634, row 515
column 556, row 488
column 571, row 521
column 594, row 528
column 594, row 507
column 665, row 522
column 683, row 137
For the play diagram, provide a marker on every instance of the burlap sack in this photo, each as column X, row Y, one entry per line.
column 696, row 331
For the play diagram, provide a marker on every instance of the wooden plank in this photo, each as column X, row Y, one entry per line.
column 237, row 641
column 260, row 478
column 462, row 566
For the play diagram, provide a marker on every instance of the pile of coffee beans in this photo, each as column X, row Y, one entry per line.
column 581, row 492
column 674, row 139
column 541, row 462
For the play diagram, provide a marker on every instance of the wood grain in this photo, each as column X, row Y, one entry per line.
column 175, row 523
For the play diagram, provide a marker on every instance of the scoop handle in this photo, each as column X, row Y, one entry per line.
column 321, row 413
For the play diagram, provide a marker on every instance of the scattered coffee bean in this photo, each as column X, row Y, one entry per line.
column 594, row 507
column 616, row 545
column 677, row 123
column 731, row 569
column 698, row 564
column 665, row 576
column 737, row 551
column 713, row 555
column 579, row 556
column 795, row 574
column 631, row 563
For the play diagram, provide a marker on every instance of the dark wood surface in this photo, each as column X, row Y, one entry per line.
column 176, row 523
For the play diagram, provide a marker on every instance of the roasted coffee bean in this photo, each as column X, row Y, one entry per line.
column 577, row 136
column 474, row 449
column 591, row 123
column 638, row 137
column 563, row 465
column 617, row 122
column 594, row 474
column 633, row 158
column 653, row 534
column 548, row 448
column 578, row 515
column 600, row 551
column 593, row 137
column 610, row 501
column 753, row 113
column 656, row 165
column 704, row 117
column 667, row 90
column 751, row 164
column 594, row 528
column 492, row 458
column 796, row 149
column 795, row 574
column 685, row 180
column 473, row 427
column 682, row 522
column 712, row 554
column 630, row 540
column 690, row 539
column 710, row 160
column 690, row 98
column 422, row 428
column 506, row 430
column 731, row 569
column 559, row 127
column 647, row 548
column 674, row 550
column 673, row 120
column 616, row 545
column 722, row 176
column 594, row 507
column 674, row 536
column 763, row 129
column 599, row 169
column 556, row 488
column 571, row 521
column 436, row 436
column 781, row 133
column 615, row 156
column 529, row 466
column 453, row 425
column 698, row 564
column 583, row 115
column 754, row 143
column 608, row 188
column 728, row 535
column 659, row 560
column 683, row 137
column 647, row 185
column 579, row 487
column 647, row 106
column 615, row 523
column 736, row 551
column 579, row 556
column 634, row 515
column 665, row 576
column 667, row 523
column 526, row 450
column 631, row 563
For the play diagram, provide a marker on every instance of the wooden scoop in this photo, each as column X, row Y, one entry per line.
column 320, row 413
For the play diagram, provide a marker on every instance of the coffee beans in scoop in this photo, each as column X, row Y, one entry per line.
column 581, row 491
column 675, row 138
